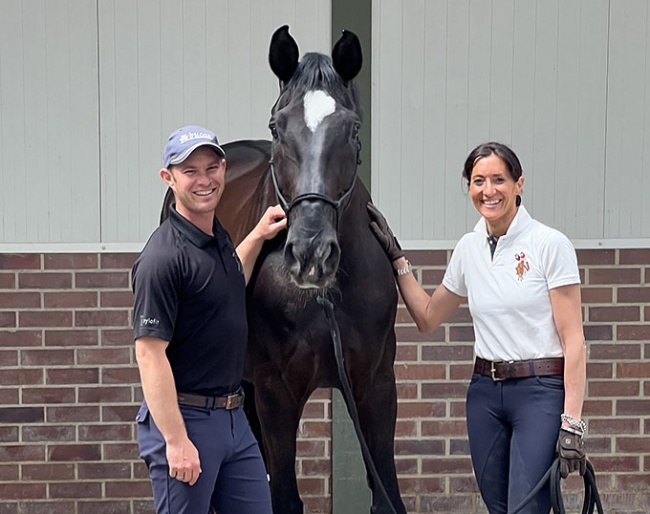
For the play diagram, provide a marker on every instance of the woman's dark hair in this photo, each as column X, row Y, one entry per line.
column 500, row 150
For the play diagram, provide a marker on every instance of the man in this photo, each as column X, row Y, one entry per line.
column 190, row 338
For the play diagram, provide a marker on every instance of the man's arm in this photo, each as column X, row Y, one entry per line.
column 272, row 221
column 160, row 394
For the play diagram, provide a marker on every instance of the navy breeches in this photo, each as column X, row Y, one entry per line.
column 233, row 478
column 513, row 426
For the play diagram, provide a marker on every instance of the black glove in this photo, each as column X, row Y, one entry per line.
column 571, row 450
column 384, row 234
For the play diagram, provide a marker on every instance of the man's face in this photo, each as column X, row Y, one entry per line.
column 198, row 182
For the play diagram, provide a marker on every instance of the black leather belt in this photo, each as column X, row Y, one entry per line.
column 228, row 402
column 519, row 369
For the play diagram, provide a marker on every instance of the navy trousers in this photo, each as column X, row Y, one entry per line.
column 513, row 428
column 233, row 479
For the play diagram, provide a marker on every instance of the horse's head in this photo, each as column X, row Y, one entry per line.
column 315, row 151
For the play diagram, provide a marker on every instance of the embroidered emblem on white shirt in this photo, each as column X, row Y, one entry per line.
column 522, row 265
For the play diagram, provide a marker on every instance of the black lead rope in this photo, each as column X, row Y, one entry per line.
column 591, row 498
column 347, row 392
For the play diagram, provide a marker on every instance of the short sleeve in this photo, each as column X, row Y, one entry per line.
column 559, row 261
column 454, row 279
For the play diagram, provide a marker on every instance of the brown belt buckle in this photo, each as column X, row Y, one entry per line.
column 232, row 401
column 493, row 372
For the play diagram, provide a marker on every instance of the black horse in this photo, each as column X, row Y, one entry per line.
column 310, row 167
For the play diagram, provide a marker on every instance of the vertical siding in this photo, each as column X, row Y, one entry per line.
column 627, row 209
column 451, row 74
column 48, row 121
column 165, row 64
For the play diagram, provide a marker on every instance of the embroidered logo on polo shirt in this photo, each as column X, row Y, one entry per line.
column 522, row 265
column 148, row 322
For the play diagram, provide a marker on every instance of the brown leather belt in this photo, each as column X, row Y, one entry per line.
column 519, row 369
column 228, row 402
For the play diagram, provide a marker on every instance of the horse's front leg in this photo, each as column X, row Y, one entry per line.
column 279, row 416
column 377, row 407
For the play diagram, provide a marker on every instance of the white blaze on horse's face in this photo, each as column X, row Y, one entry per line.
column 318, row 105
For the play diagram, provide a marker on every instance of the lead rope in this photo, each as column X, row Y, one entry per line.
column 591, row 498
column 347, row 392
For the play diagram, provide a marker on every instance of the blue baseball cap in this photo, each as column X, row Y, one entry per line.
column 185, row 140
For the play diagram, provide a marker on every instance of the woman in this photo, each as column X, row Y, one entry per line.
column 522, row 286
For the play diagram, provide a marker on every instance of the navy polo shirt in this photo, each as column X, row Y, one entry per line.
column 189, row 289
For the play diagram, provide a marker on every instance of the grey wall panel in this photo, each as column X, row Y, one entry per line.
column 170, row 63
column 532, row 74
column 49, row 145
column 627, row 209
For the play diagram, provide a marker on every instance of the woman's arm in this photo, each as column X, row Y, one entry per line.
column 566, row 305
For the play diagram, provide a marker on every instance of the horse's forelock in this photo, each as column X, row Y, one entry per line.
column 316, row 72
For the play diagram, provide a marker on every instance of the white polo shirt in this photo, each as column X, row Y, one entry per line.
column 508, row 295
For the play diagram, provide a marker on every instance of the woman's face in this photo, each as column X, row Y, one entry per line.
column 494, row 193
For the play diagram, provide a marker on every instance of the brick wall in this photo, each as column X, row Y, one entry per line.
column 69, row 389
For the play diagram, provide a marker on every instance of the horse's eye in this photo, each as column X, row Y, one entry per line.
column 274, row 130
column 355, row 130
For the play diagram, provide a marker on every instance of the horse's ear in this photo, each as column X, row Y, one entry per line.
column 283, row 54
column 346, row 56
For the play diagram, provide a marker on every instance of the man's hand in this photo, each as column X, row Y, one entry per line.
column 384, row 234
column 272, row 221
column 571, row 450
column 184, row 463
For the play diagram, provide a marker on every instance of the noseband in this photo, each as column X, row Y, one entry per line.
column 288, row 205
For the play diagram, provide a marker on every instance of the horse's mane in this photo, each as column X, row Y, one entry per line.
column 315, row 71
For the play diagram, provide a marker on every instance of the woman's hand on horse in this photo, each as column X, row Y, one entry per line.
column 273, row 221
column 384, row 234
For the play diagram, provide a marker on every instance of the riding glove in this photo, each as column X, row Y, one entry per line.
column 571, row 451
column 384, row 234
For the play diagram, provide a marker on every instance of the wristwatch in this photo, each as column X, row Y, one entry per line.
column 404, row 271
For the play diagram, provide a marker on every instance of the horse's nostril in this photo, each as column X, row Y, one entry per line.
column 331, row 262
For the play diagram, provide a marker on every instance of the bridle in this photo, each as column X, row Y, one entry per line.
column 288, row 205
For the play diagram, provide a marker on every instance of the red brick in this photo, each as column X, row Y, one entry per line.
column 18, row 491
column 70, row 261
column 596, row 295
column 70, row 299
column 7, row 281
column 20, row 300
column 8, row 358
column 104, row 356
column 21, row 453
column 315, row 429
column 128, row 489
column 72, row 376
column 103, row 507
column 599, row 370
column 407, row 391
column 420, row 447
column 21, row 415
column 614, row 314
column 47, row 357
column 8, row 396
column 616, row 464
column 104, row 394
column 100, row 470
column 117, row 337
column 428, row 409
column 461, row 334
column 615, row 351
column 73, row 452
column 615, row 276
column 610, row 388
column 420, row 371
column 116, row 299
column 614, row 426
column 48, row 395
column 596, row 257
column 78, row 414
column 59, row 507
column 634, row 445
column 19, row 261
column 102, row 279
column 633, row 369
column 48, row 433
column 20, row 338
column 120, row 451
column 118, row 260
column 447, row 352
column 633, row 407
column 428, row 257
column 411, row 335
column 39, row 472
column 45, row 318
column 444, row 428
column 634, row 256
column 44, row 280
column 633, row 295
column 102, row 318
column 598, row 408
column 122, row 375
column 405, row 428
column 446, row 465
column 444, row 390
column 7, row 319
column 406, row 353
column 76, row 337
column 8, row 473
column 21, row 377
column 75, row 490
column 633, row 483
column 419, row 485
column 124, row 413
column 598, row 332
column 106, row 432
column 633, row 332
column 432, row 277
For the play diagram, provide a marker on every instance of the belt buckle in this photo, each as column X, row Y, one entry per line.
column 232, row 401
column 493, row 370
